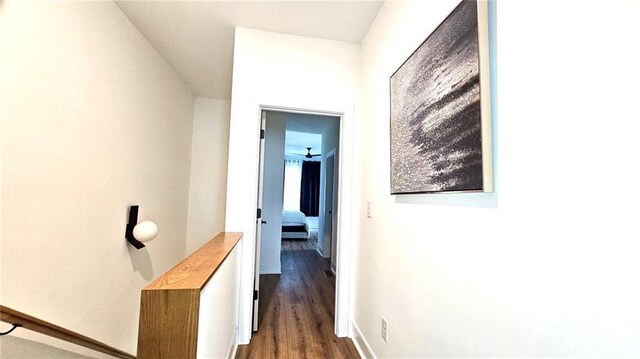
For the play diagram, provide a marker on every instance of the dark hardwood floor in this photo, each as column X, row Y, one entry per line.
column 297, row 311
column 301, row 244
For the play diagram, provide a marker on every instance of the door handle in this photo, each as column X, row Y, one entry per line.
column 264, row 222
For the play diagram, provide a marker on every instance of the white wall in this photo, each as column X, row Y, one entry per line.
column 93, row 120
column 2, row 75
column 208, row 188
column 285, row 71
column 553, row 268
column 273, row 192
column 218, row 319
column 34, row 345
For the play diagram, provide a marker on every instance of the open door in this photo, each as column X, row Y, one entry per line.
column 330, row 209
column 259, row 223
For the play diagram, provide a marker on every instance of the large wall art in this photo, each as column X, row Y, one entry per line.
column 440, row 109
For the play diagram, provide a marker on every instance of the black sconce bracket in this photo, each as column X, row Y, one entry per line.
column 133, row 220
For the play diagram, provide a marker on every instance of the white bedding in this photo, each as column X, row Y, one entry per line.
column 295, row 218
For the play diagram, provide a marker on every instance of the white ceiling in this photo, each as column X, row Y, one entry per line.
column 296, row 143
column 305, row 130
column 196, row 37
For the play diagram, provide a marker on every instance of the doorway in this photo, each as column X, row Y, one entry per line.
column 295, row 139
column 242, row 204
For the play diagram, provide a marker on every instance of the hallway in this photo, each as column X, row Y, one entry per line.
column 297, row 310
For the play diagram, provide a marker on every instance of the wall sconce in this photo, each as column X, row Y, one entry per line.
column 136, row 233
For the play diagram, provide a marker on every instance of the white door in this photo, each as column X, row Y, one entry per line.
column 259, row 223
column 333, row 179
column 328, row 207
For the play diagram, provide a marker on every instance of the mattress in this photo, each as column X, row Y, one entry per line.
column 294, row 225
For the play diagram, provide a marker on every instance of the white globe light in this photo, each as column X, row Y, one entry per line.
column 145, row 231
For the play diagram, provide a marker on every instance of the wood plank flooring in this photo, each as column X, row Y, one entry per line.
column 300, row 244
column 297, row 311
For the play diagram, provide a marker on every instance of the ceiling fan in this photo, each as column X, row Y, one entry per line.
column 309, row 154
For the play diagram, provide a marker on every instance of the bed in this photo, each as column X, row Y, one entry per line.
column 294, row 225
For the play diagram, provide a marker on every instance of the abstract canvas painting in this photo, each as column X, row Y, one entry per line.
column 440, row 112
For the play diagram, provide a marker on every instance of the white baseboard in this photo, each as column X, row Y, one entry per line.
column 233, row 347
column 270, row 269
column 319, row 251
column 361, row 344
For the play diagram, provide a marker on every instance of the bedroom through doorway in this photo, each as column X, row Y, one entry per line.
column 298, row 218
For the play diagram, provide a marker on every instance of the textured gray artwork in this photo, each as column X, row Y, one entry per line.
column 435, row 111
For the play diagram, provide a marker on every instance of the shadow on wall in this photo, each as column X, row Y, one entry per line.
column 141, row 262
column 18, row 348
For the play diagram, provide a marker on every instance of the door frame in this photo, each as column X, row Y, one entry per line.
column 344, row 232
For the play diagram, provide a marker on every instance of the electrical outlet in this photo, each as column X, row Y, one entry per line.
column 369, row 209
column 385, row 330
